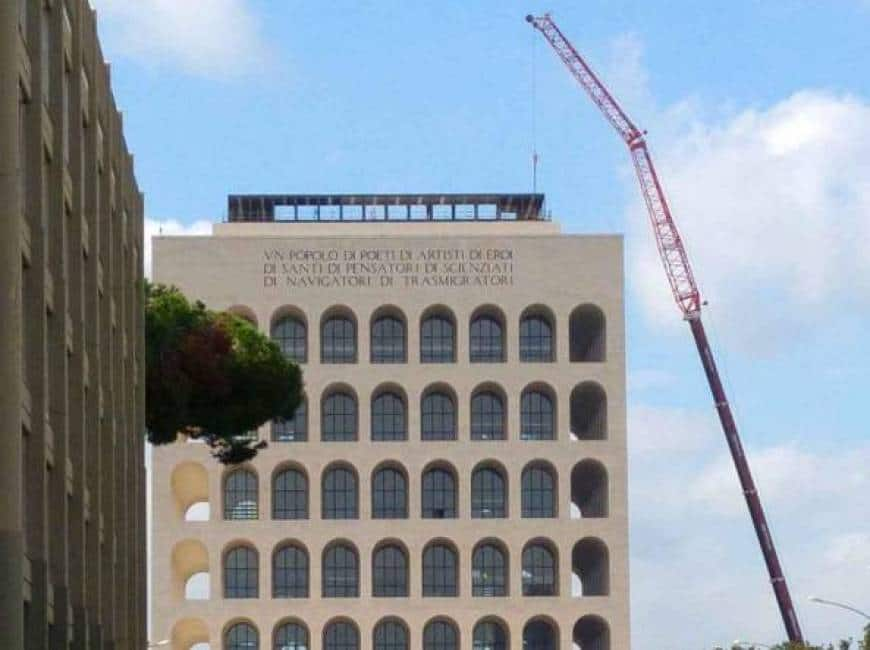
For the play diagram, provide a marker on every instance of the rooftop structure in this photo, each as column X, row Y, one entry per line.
column 386, row 207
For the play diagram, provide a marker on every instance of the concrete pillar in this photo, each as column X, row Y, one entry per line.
column 11, row 526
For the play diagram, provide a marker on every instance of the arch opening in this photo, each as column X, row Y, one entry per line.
column 591, row 633
column 590, row 564
column 588, row 412
column 587, row 334
column 589, row 490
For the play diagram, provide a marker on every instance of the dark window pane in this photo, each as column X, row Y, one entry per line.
column 293, row 430
column 338, row 341
column 489, row 635
column 440, row 571
column 291, row 336
column 539, row 571
column 241, row 573
column 488, row 494
column 290, row 573
column 339, row 418
column 240, row 495
column 341, row 636
column 536, row 339
column 290, row 495
column 437, row 340
column 487, row 340
column 291, row 636
column 340, row 572
column 489, row 572
column 390, row 572
column 439, row 494
column 388, row 418
column 391, row 635
column 487, row 417
column 389, row 494
column 537, row 418
column 538, row 492
column 388, row 340
column 340, row 499
column 538, row 635
column 242, row 636
column 438, row 417
column 440, row 635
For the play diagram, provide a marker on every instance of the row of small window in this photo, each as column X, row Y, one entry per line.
column 440, row 563
column 490, row 633
column 439, row 494
column 339, row 419
column 388, row 332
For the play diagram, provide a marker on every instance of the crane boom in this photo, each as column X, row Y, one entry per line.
column 685, row 291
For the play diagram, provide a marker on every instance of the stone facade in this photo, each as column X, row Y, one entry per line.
column 72, row 480
column 311, row 545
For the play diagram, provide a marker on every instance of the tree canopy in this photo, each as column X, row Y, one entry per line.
column 212, row 376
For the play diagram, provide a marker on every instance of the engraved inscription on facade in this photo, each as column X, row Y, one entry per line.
column 399, row 268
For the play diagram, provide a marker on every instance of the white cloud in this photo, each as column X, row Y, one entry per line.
column 694, row 555
column 211, row 38
column 773, row 204
column 154, row 227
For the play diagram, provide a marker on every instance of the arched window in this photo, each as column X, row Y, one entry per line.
column 539, row 635
column 388, row 340
column 391, row 635
column 389, row 494
column 290, row 495
column 536, row 339
column 340, row 572
column 590, row 562
column 589, row 412
column 538, row 491
column 339, row 419
column 291, row 636
column 338, row 340
column 388, row 417
column 439, row 494
column 440, row 635
column 341, row 635
column 487, row 416
column 440, row 571
column 490, row 635
column 241, row 636
column 438, row 421
column 589, row 493
column 537, row 416
column 587, row 334
column 290, row 572
column 240, row 495
column 241, row 573
column 340, row 494
column 539, row 570
column 390, row 572
column 292, row 337
column 488, row 494
column 489, row 571
column 591, row 633
column 487, row 339
column 294, row 429
column 438, row 339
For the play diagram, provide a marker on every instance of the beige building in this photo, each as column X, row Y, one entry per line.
column 72, row 482
column 457, row 475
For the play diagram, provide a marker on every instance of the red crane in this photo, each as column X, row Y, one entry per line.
column 685, row 291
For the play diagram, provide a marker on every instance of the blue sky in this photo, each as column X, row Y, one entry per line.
column 759, row 119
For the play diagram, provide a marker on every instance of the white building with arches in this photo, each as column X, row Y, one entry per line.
column 456, row 478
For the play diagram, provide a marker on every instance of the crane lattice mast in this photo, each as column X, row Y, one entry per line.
column 685, row 292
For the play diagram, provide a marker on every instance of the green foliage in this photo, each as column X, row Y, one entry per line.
column 211, row 376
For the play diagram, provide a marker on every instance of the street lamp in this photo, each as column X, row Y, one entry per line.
column 834, row 603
